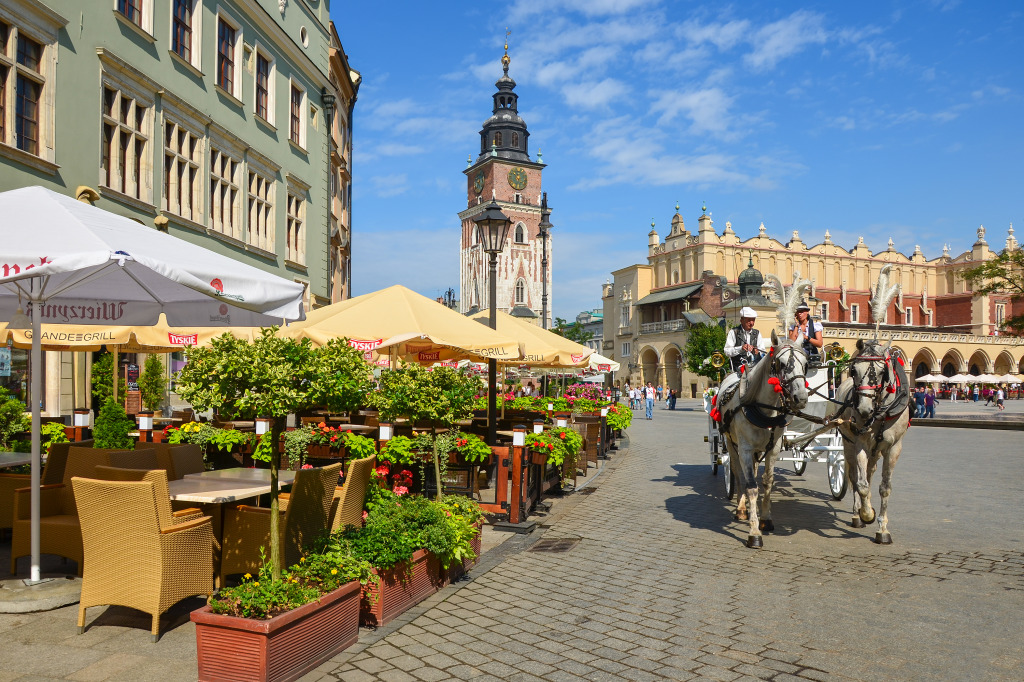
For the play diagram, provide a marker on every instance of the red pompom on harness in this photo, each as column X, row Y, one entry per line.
column 773, row 381
column 742, row 368
column 714, row 399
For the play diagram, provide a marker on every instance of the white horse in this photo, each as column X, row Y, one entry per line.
column 753, row 420
column 876, row 414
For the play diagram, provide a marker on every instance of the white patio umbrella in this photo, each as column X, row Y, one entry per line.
column 71, row 263
column 602, row 364
column 930, row 379
column 1008, row 378
column 961, row 378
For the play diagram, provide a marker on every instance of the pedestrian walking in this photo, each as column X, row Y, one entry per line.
column 649, row 394
column 977, row 392
column 919, row 403
column 672, row 399
column 929, row 404
column 1000, row 394
column 658, row 390
column 988, row 397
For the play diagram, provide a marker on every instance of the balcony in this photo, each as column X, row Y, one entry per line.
column 664, row 327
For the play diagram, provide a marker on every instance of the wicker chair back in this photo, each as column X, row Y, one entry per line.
column 309, row 508
column 347, row 506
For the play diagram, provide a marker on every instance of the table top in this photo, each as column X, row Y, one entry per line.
column 13, row 459
column 246, row 475
column 214, row 491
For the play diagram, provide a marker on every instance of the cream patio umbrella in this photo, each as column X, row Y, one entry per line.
column 541, row 348
column 602, row 364
column 399, row 321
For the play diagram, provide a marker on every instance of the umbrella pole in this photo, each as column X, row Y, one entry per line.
column 113, row 352
column 34, row 396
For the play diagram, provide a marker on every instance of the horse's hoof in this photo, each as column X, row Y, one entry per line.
column 883, row 538
column 856, row 522
column 766, row 526
column 754, row 541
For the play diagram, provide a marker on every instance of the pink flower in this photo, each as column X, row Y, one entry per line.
column 383, row 470
column 400, row 490
column 365, row 514
column 307, row 466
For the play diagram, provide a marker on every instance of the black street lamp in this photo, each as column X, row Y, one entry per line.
column 545, row 225
column 492, row 231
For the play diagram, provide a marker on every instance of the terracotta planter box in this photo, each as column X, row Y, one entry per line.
column 285, row 647
column 456, row 571
column 539, row 458
column 399, row 590
column 325, row 452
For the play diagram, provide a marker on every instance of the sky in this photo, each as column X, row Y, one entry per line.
column 884, row 120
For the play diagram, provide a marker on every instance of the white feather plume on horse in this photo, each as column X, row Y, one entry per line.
column 788, row 298
column 882, row 296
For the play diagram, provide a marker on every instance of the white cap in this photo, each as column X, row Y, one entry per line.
column 746, row 311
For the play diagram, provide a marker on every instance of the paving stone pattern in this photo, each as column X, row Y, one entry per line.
column 659, row 583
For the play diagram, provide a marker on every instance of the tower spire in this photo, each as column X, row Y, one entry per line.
column 505, row 60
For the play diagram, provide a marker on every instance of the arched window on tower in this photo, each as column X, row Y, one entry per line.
column 520, row 292
column 520, row 234
column 497, row 139
column 515, row 140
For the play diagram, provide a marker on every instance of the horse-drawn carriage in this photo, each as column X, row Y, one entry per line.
column 773, row 411
column 799, row 446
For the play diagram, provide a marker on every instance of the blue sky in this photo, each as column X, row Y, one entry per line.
column 881, row 119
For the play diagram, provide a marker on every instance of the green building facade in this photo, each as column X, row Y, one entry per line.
column 202, row 118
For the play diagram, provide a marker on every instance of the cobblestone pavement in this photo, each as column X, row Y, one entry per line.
column 657, row 582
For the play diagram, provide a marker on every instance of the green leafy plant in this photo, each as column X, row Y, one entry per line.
column 619, row 417
column 112, row 427
column 316, row 574
column 50, row 433
column 704, row 340
column 272, row 377
column 583, row 405
column 399, row 451
column 297, row 442
column 13, row 419
column 153, row 382
column 472, row 448
column 102, row 373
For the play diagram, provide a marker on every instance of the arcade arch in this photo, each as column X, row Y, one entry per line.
column 923, row 363
column 649, row 365
column 673, row 361
column 953, row 363
column 979, row 363
column 1004, row 364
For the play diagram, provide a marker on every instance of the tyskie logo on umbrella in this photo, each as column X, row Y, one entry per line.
column 183, row 339
column 429, row 356
column 576, row 357
column 363, row 344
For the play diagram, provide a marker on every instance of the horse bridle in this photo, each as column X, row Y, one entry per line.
column 874, row 385
column 787, row 397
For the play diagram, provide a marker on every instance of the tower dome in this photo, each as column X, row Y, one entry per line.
column 504, row 134
column 750, row 280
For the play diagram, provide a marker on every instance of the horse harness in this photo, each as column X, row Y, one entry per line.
column 753, row 410
column 893, row 380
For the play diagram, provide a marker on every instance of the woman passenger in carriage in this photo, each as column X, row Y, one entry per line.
column 807, row 333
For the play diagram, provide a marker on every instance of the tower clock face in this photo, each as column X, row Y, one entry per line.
column 478, row 182
column 517, row 178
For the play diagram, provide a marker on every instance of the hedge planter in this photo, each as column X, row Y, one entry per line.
column 399, row 589
column 285, row 647
column 456, row 571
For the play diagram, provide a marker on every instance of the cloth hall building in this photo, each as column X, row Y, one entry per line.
column 703, row 275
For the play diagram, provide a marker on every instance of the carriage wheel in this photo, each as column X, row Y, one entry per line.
column 800, row 465
column 729, row 480
column 837, row 480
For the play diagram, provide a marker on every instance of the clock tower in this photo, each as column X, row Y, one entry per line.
column 504, row 172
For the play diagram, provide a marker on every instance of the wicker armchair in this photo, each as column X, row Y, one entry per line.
column 60, row 532
column 176, row 460
column 53, row 472
column 135, row 555
column 158, row 477
column 305, row 514
column 347, row 506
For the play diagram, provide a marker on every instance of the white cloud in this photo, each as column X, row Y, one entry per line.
column 708, row 109
column 780, row 39
column 389, row 185
column 526, row 8
column 591, row 95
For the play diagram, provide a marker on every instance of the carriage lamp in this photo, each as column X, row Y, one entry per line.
column 262, row 425
column 145, row 420
column 560, row 422
column 384, row 433
column 604, row 411
column 538, row 425
column 519, row 436
column 82, row 416
column 551, row 407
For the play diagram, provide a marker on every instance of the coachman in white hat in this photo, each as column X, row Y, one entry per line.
column 743, row 343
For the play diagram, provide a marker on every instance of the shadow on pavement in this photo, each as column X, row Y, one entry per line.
column 794, row 508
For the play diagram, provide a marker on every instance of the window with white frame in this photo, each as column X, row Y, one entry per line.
column 908, row 316
column 624, row 318
column 295, row 244
column 125, row 156
column 264, row 84
column 182, row 164
column 296, row 121
column 823, row 311
column 261, row 211
column 854, row 312
column 625, row 350
column 520, row 292
column 186, row 30
column 224, row 193
column 520, row 236
column 138, row 12
column 1000, row 315
column 21, row 89
column 930, row 321
column 229, row 55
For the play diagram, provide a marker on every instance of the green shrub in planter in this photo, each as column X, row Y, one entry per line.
column 112, row 428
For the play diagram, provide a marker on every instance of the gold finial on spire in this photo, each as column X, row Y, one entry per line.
column 505, row 58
